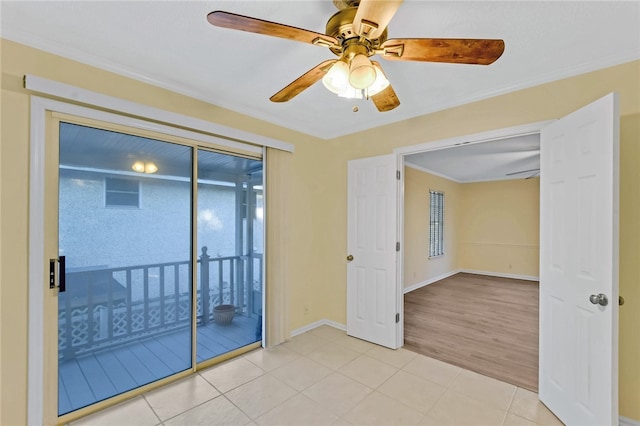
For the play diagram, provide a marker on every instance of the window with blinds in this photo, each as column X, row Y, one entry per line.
column 436, row 223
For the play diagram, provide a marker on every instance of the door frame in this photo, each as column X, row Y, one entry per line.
column 38, row 364
column 454, row 142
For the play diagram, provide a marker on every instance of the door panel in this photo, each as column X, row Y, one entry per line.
column 230, row 229
column 579, row 258
column 125, row 318
column 371, row 275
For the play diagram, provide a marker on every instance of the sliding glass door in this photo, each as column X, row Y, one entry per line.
column 125, row 233
column 230, row 242
column 145, row 265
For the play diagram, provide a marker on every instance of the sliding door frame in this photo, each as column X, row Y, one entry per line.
column 41, row 410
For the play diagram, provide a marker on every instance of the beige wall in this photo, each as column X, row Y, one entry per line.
column 630, row 266
column 499, row 227
column 418, row 268
column 318, row 216
column 489, row 227
column 306, row 214
column 545, row 102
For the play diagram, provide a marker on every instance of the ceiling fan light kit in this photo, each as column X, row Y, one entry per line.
column 355, row 33
column 338, row 81
column 361, row 72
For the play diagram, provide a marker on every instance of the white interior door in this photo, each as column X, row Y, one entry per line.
column 372, row 312
column 578, row 262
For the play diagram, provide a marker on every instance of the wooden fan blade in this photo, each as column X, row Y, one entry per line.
column 258, row 26
column 386, row 100
column 373, row 16
column 523, row 171
column 450, row 50
column 303, row 82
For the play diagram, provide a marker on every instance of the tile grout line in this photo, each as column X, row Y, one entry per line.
column 336, row 340
column 151, row 407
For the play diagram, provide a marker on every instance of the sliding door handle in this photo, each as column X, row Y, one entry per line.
column 62, row 281
column 63, row 275
column 52, row 273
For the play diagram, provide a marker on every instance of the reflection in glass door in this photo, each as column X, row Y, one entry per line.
column 230, row 245
column 125, row 231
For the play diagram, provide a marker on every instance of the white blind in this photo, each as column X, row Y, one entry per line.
column 436, row 223
column 278, row 230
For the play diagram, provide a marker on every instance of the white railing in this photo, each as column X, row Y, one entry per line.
column 103, row 308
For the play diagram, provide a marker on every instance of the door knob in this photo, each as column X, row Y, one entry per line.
column 349, row 258
column 599, row 299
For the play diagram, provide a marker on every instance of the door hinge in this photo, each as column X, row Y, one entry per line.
column 397, row 318
column 398, row 246
column 397, row 174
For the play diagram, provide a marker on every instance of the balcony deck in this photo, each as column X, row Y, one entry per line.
column 84, row 380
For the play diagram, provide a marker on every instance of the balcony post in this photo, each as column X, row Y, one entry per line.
column 204, row 285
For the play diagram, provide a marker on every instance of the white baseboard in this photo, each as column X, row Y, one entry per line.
column 626, row 421
column 501, row 275
column 317, row 324
column 430, row 281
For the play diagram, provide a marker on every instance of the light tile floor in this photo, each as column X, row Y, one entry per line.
column 324, row 377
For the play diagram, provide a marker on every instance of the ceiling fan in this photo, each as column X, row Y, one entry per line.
column 531, row 173
column 355, row 33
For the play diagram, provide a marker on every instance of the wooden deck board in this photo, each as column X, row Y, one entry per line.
column 175, row 344
column 64, row 404
column 136, row 369
column 105, row 373
column 153, row 361
column 120, row 377
column 208, row 347
column 485, row 324
column 72, row 378
column 174, row 361
column 101, row 384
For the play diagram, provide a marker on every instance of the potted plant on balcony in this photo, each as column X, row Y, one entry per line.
column 223, row 314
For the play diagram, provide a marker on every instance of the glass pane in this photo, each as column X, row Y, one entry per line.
column 230, row 247
column 125, row 319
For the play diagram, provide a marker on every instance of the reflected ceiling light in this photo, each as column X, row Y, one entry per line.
column 144, row 167
column 150, row 168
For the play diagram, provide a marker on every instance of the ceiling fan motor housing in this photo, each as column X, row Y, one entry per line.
column 340, row 26
column 343, row 4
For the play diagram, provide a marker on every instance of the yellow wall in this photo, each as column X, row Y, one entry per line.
column 544, row 102
column 418, row 268
column 630, row 266
column 318, row 245
column 499, row 226
column 489, row 227
column 306, row 214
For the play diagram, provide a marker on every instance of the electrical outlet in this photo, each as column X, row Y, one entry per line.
column 307, row 309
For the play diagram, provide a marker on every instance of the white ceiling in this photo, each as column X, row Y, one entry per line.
column 171, row 44
column 509, row 158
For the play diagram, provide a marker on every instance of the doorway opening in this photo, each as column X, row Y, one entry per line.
column 491, row 253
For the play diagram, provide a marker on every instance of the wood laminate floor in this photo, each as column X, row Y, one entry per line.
column 485, row 324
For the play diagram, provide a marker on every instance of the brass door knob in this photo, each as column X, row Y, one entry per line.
column 349, row 258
